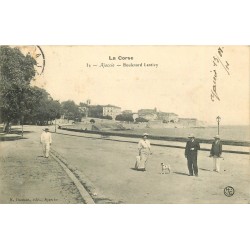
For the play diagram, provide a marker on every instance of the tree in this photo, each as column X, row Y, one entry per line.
column 16, row 73
column 70, row 110
column 95, row 111
column 125, row 117
column 54, row 110
column 42, row 108
column 82, row 104
column 141, row 119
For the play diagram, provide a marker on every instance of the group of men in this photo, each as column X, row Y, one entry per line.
column 191, row 152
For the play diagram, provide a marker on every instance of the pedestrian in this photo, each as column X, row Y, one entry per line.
column 216, row 151
column 191, row 152
column 144, row 151
column 46, row 141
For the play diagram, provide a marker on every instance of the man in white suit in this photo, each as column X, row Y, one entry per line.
column 216, row 151
column 46, row 141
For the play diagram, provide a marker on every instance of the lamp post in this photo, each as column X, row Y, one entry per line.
column 218, row 118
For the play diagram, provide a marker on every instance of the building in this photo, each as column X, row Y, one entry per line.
column 111, row 110
column 167, row 117
column 152, row 114
column 127, row 112
column 149, row 114
column 83, row 111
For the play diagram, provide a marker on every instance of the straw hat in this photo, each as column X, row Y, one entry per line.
column 217, row 136
column 145, row 134
column 191, row 136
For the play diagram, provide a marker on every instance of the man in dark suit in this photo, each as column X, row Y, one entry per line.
column 191, row 152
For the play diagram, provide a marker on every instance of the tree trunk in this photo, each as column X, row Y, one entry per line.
column 7, row 127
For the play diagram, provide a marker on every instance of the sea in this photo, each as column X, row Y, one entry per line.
column 241, row 133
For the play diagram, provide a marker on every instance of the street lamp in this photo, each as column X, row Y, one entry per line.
column 218, row 118
column 55, row 125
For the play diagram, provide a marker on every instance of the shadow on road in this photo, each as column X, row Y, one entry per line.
column 204, row 169
column 138, row 170
column 10, row 138
column 180, row 173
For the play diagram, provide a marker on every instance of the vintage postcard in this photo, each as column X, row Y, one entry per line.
column 124, row 124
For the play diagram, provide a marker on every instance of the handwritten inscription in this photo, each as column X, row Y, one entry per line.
column 213, row 91
column 218, row 62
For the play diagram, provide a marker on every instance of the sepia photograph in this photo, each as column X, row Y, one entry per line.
column 124, row 124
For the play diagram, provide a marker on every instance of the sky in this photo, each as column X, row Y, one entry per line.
column 180, row 83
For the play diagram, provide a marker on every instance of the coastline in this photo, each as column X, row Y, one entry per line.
column 227, row 132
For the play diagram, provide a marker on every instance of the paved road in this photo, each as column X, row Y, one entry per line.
column 106, row 168
column 108, row 165
column 27, row 177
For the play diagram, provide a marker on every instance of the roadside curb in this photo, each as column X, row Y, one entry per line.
column 84, row 193
column 88, row 191
column 109, row 138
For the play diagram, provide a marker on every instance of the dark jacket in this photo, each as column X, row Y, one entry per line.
column 192, row 148
column 216, row 149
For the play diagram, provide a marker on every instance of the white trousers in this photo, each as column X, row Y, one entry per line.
column 216, row 163
column 46, row 148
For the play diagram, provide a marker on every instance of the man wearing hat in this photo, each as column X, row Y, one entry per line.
column 144, row 151
column 216, row 152
column 46, row 141
column 191, row 152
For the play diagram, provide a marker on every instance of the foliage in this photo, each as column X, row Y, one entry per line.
column 125, row 117
column 21, row 102
column 95, row 111
column 16, row 67
column 141, row 119
column 16, row 73
column 44, row 108
column 71, row 111
column 82, row 104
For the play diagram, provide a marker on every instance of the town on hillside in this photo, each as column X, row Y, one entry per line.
column 151, row 117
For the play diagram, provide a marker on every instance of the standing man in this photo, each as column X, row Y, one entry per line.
column 46, row 141
column 191, row 152
column 216, row 152
column 144, row 152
